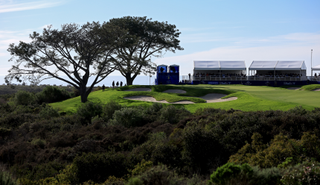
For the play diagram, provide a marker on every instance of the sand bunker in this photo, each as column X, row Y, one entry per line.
column 213, row 97
column 179, row 91
column 210, row 98
column 139, row 89
column 316, row 90
column 152, row 99
column 293, row 88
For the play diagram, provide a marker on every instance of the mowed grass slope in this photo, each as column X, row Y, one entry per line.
column 250, row 98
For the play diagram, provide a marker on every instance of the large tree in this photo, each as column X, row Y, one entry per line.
column 143, row 39
column 72, row 54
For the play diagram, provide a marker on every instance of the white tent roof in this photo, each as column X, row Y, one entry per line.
column 206, row 65
column 316, row 67
column 263, row 65
column 219, row 65
column 277, row 65
column 232, row 65
column 291, row 65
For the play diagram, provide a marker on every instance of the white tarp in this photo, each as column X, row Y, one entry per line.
column 219, row 65
column 233, row 65
column 291, row 65
column 316, row 67
column 206, row 65
column 263, row 65
column 277, row 65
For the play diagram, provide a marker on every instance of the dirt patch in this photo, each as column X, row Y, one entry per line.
column 210, row 98
column 317, row 89
column 139, row 89
column 179, row 91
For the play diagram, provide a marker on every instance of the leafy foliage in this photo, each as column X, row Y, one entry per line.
column 156, row 143
column 144, row 39
column 52, row 94
column 78, row 52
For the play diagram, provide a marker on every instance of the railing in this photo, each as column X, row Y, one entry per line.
column 313, row 78
column 185, row 78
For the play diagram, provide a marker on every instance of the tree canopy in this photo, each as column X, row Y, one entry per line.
column 143, row 39
column 72, row 54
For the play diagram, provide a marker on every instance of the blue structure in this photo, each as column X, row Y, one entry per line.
column 167, row 75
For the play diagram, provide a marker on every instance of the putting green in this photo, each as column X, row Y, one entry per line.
column 250, row 98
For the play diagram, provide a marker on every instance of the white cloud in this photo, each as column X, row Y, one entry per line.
column 10, row 6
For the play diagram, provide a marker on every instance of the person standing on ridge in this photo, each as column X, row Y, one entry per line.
column 117, row 84
column 113, row 84
column 121, row 84
column 103, row 87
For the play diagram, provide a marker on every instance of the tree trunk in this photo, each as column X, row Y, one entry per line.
column 83, row 94
column 129, row 79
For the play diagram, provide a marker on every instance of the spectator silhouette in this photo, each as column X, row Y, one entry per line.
column 113, row 84
column 161, row 69
column 117, row 84
column 121, row 84
column 103, row 87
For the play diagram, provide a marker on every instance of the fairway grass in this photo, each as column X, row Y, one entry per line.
column 250, row 98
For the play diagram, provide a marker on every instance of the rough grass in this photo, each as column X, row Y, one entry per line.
column 250, row 98
column 310, row 87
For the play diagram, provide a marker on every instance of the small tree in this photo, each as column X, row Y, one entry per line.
column 143, row 39
column 77, row 52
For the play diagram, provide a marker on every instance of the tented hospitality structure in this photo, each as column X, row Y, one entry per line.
column 315, row 68
column 314, row 75
column 277, row 70
column 218, row 70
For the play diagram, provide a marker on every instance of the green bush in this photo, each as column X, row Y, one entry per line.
column 225, row 174
column 202, row 149
column 24, row 98
column 52, row 94
column 48, row 112
column 128, row 117
column 265, row 176
column 98, row 167
column 231, row 173
column 39, row 142
column 157, row 175
column 6, row 179
column 108, row 110
column 172, row 115
column 89, row 110
column 305, row 173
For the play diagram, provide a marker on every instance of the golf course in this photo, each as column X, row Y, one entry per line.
column 248, row 98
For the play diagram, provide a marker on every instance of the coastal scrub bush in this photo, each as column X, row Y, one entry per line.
column 48, row 112
column 52, row 94
column 172, row 114
column 24, row 98
column 202, row 149
column 304, row 173
column 278, row 150
column 108, row 110
column 6, row 179
column 98, row 167
column 128, row 117
column 159, row 174
column 231, row 173
column 89, row 110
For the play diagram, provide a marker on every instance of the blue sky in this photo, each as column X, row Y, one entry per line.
column 210, row 29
